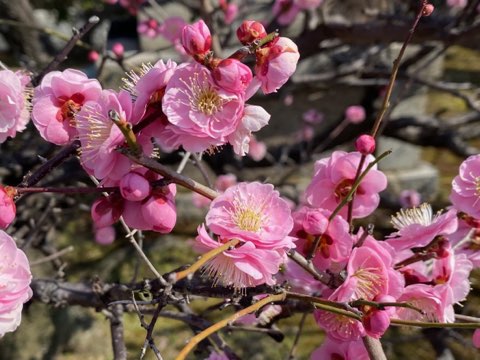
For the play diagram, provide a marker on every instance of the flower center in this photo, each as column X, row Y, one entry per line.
column 208, row 101
column 477, row 185
column 248, row 219
column 368, row 283
column 70, row 107
column 344, row 188
column 422, row 215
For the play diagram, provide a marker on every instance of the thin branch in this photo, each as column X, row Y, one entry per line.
column 62, row 55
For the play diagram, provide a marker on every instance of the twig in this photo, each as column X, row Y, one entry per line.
column 53, row 256
column 62, row 55
column 291, row 355
column 149, row 337
column 324, row 278
column 174, row 176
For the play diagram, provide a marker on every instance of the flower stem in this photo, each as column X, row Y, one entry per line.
column 472, row 325
column 225, row 322
column 202, row 261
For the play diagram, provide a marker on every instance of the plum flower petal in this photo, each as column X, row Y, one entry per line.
column 15, row 278
column 465, row 195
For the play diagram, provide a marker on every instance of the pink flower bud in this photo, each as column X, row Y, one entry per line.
column 93, row 56
column 249, row 31
column 376, row 323
column 7, row 207
column 428, row 10
column 106, row 210
column 134, row 187
column 355, row 114
column 118, row 50
column 365, row 144
column 196, row 38
column 476, row 338
column 105, row 235
column 315, row 223
column 410, row 198
column 159, row 210
column 232, row 75
column 257, row 149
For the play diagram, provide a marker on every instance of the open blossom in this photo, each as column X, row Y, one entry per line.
column 58, row 99
column 199, row 112
column 252, row 212
column 150, row 28
column 465, row 195
column 332, row 349
column 276, row 62
column 333, row 180
column 466, row 240
column 243, row 266
column 14, row 114
column 424, row 297
column 8, row 209
column 339, row 327
column 418, row 227
column 100, row 137
column 15, row 278
column 255, row 214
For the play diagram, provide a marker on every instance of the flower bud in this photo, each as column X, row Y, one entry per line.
column 315, row 223
column 476, row 338
column 355, row 114
column 159, row 211
column 7, row 207
column 134, row 187
column 93, row 56
column 196, row 38
column 376, row 323
column 365, row 144
column 106, row 210
column 232, row 75
column 250, row 31
column 428, row 10
column 105, row 235
column 410, row 198
column 118, row 50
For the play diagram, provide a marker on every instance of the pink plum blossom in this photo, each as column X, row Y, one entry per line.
column 15, row 278
column 105, row 235
column 58, row 99
column 196, row 38
column 312, row 116
column 424, row 297
column 256, row 149
column 132, row 5
column 232, row 75
column 410, row 198
column 276, row 63
column 171, row 28
column 149, row 28
column 465, row 195
column 106, row 210
column 299, row 280
column 230, row 11
column 417, row 227
column 14, row 114
column 250, row 31
column 8, row 209
column 333, row 179
column 200, row 113
column 134, row 186
column 339, row 327
column 254, row 118
column 285, row 11
column 118, row 50
column 99, row 136
column 157, row 212
column 252, row 212
column 243, row 266
column 355, row 114
column 476, row 338
column 466, row 240
column 332, row 349
column 93, row 56
column 376, row 322
column 365, row 144
column 335, row 243
column 308, row 4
